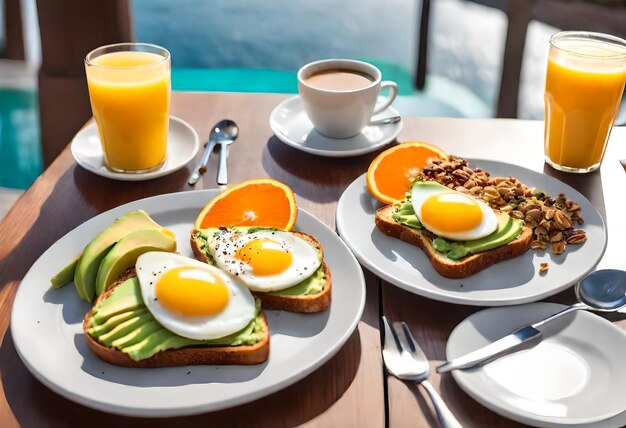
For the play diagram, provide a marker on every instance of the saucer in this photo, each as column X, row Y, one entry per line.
column 182, row 145
column 292, row 126
column 575, row 375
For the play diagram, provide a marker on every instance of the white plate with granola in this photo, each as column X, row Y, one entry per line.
column 514, row 281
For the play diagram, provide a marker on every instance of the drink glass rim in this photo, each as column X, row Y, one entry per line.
column 589, row 35
column 117, row 47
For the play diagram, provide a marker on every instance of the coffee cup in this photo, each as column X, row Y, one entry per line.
column 339, row 95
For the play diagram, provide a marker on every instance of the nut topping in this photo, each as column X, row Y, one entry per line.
column 551, row 219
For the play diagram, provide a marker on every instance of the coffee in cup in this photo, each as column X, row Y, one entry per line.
column 339, row 95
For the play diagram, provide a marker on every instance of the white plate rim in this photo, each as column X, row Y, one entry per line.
column 166, row 169
column 345, row 223
column 161, row 202
column 465, row 382
column 331, row 153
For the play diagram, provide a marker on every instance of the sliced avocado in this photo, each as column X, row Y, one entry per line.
column 96, row 250
column 65, row 275
column 508, row 229
column 154, row 342
column 124, row 254
column 114, row 321
column 425, row 184
column 127, row 298
column 123, row 329
column 124, row 307
column 404, row 214
column 139, row 334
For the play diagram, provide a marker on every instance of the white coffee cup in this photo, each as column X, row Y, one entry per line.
column 343, row 113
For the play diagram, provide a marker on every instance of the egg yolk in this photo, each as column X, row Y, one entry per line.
column 265, row 257
column 451, row 212
column 192, row 292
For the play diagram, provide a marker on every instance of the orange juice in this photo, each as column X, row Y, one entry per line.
column 130, row 98
column 584, row 86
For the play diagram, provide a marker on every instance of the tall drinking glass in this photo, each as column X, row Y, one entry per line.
column 584, row 87
column 129, row 89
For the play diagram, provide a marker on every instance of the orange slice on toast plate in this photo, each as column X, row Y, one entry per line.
column 261, row 202
column 392, row 172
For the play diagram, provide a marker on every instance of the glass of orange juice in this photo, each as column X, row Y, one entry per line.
column 129, row 89
column 584, row 87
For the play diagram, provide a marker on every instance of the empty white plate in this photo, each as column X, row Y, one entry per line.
column 182, row 145
column 292, row 126
column 576, row 374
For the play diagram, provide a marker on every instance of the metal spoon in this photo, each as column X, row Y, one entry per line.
column 602, row 290
column 209, row 146
column 227, row 132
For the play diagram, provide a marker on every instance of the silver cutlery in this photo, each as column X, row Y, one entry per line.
column 217, row 132
column 385, row 121
column 405, row 360
column 603, row 291
column 227, row 135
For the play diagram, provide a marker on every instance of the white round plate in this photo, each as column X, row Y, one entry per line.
column 575, row 375
column 292, row 126
column 510, row 282
column 47, row 330
column 182, row 145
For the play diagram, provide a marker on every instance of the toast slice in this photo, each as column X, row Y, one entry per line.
column 445, row 266
column 191, row 355
column 309, row 303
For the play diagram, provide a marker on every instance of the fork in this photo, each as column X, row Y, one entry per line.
column 405, row 360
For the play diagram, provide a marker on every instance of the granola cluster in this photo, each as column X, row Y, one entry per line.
column 552, row 220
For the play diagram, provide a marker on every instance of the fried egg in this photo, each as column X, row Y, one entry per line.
column 191, row 298
column 264, row 260
column 451, row 214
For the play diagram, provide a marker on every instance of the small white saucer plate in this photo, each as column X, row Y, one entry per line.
column 182, row 145
column 292, row 126
column 576, row 375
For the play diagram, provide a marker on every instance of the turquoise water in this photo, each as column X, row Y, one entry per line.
column 20, row 150
column 250, row 46
column 277, row 34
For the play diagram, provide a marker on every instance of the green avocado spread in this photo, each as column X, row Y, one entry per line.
column 508, row 229
column 123, row 322
column 311, row 285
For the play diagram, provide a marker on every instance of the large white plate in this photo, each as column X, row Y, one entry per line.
column 575, row 375
column 511, row 282
column 292, row 126
column 182, row 145
column 46, row 328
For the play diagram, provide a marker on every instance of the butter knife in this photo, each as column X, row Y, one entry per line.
column 522, row 338
column 201, row 167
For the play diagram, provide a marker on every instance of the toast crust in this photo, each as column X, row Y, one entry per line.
column 192, row 355
column 465, row 267
column 310, row 303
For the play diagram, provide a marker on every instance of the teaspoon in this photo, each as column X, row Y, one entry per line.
column 216, row 132
column 227, row 134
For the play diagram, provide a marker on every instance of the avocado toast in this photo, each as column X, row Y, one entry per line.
column 120, row 330
column 312, row 293
column 454, row 258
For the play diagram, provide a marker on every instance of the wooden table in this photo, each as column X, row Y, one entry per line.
column 352, row 388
